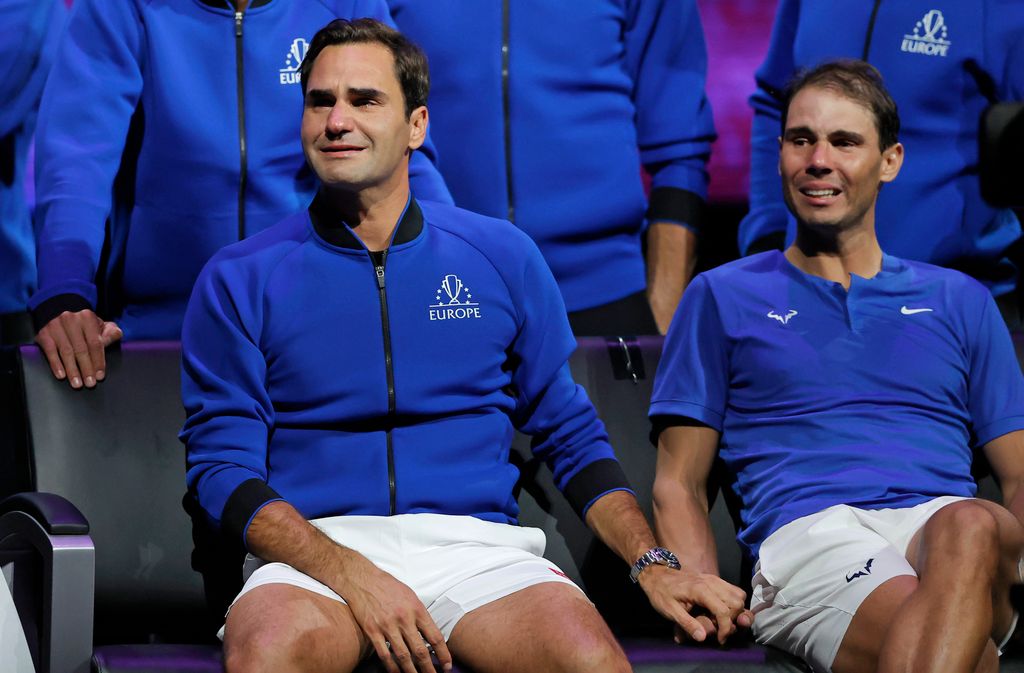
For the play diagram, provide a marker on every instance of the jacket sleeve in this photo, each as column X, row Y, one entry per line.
column 228, row 410
column 768, row 215
column 87, row 105
column 667, row 60
column 550, row 406
column 425, row 180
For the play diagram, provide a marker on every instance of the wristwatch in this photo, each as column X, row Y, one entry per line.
column 658, row 555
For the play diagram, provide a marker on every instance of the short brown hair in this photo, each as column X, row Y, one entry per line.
column 861, row 83
column 410, row 62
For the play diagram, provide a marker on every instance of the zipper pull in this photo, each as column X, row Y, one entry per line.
column 238, row 23
column 380, row 276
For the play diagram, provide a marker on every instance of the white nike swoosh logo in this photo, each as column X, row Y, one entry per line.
column 911, row 311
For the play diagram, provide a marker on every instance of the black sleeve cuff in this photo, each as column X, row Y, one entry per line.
column 243, row 504
column 661, row 423
column 55, row 305
column 776, row 240
column 676, row 205
column 593, row 480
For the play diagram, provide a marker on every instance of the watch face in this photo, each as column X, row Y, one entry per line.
column 666, row 557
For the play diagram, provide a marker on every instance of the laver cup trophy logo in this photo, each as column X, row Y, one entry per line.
column 289, row 74
column 452, row 286
column 447, row 303
column 930, row 36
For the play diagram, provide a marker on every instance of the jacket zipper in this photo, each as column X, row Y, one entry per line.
column 871, row 31
column 505, row 104
column 242, row 150
column 379, row 259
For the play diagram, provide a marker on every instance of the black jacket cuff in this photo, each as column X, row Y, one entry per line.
column 676, row 205
column 247, row 499
column 55, row 305
column 599, row 477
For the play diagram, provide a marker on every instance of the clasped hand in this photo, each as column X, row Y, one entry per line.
column 678, row 594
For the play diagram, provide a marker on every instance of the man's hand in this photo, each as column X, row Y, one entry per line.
column 74, row 344
column 677, row 594
column 394, row 620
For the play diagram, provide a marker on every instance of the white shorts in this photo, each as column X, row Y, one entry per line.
column 814, row 573
column 455, row 564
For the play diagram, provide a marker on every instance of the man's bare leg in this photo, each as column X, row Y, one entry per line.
column 279, row 627
column 966, row 557
column 549, row 627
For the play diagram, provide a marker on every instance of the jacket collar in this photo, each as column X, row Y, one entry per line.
column 330, row 227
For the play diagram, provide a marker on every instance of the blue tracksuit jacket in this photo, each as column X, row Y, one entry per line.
column 943, row 61
column 543, row 113
column 351, row 383
column 215, row 146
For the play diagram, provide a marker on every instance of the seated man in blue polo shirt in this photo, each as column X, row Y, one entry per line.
column 845, row 390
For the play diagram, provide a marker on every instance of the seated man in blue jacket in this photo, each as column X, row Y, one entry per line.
column 845, row 390
column 190, row 105
column 352, row 378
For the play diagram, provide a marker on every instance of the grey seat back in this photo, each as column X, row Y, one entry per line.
column 113, row 451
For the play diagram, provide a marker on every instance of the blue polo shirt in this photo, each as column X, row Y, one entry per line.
column 873, row 397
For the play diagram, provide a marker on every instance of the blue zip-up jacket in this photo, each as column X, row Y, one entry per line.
column 206, row 82
column 351, row 383
column 31, row 31
column 543, row 113
column 943, row 62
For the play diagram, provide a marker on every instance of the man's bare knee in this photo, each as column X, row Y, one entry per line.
column 282, row 628
column 262, row 650
column 597, row 654
column 964, row 530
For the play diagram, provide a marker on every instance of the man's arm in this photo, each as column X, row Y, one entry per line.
column 1006, row 456
column 391, row 616
column 685, row 456
column 666, row 58
column 671, row 258
column 78, row 151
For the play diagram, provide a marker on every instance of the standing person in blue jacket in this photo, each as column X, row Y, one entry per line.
column 945, row 62
column 213, row 87
column 846, row 391
column 27, row 45
column 544, row 113
column 352, row 378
